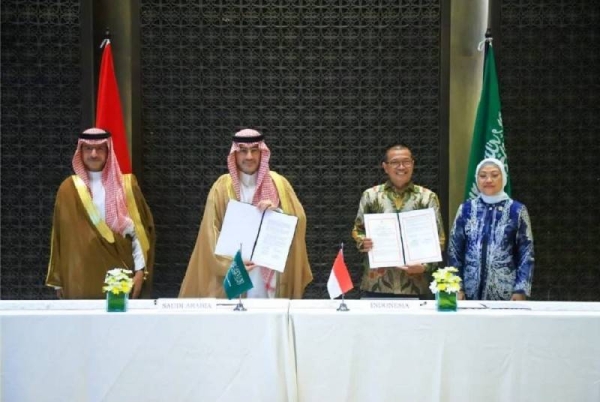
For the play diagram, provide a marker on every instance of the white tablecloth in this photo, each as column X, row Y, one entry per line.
column 300, row 350
column 145, row 354
column 422, row 355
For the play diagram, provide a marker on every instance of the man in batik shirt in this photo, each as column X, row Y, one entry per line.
column 249, row 180
column 397, row 194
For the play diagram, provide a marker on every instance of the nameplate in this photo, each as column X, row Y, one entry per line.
column 391, row 305
column 186, row 304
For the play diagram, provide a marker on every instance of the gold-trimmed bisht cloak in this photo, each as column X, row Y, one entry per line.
column 205, row 271
column 83, row 247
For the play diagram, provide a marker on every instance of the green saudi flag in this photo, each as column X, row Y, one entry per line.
column 237, row 280
column 488, row 133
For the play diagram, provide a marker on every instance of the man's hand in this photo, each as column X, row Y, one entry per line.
column 518, row 297
column 367, row 245
column 59, row 293
column 413, row 269
column 461, row 295
column 266, row 204
column 138, row 282
column 249, row 265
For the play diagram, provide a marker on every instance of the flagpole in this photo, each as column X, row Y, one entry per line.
column 106, row 38
column 109, row 110
column 240, row 305
column 488, row 41
column 343, row 306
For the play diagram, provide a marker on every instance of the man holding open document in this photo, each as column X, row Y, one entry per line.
column 401, row 247
column 252, row 182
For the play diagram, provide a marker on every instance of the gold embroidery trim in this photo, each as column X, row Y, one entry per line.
column 51, row 262
column 283, row 196
column 230, row 190
column 91, row 209
column 134, row 214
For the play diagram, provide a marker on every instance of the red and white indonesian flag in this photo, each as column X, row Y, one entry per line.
column 339, row 281
column 109, row 114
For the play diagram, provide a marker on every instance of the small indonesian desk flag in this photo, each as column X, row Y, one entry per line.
column 339, row 280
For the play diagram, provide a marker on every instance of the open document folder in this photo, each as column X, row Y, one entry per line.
column 403, row 238
column 265, row 237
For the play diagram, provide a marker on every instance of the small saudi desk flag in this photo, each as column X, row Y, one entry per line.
column 237, row 280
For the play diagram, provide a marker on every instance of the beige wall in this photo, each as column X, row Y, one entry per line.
column 467, row 29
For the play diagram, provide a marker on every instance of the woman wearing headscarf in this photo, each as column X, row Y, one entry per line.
column 491, row 242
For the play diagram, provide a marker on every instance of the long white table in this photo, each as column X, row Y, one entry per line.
column 422, row 355
column 145, row 354
column 298, row 351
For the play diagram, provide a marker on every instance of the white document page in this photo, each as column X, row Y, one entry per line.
column 240, row 226
column 274, row 240
column 420, row 235
column 384, row 231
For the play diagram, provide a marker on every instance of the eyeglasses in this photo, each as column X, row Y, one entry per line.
column 405, row 163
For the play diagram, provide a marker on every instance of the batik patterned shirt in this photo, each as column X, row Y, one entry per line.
column 385, row 198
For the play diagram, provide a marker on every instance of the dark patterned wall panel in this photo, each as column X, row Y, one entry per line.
column 551, row 107
column 328, row 82
column 41, row 113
